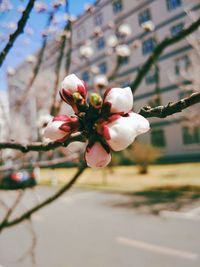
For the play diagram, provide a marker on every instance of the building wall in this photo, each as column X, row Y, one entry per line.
column 163, row 20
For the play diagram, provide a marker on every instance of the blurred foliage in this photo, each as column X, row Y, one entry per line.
column 142, row 154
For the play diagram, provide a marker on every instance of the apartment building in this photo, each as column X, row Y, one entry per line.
column 160, row 86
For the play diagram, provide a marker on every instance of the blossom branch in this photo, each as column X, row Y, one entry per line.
column 58, row 63
column 158, row 51
column 170, row 108
column 67, row 61
column 19, row 30
column 147, row 112
column 27, row 215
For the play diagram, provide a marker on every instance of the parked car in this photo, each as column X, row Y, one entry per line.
column 18, row 180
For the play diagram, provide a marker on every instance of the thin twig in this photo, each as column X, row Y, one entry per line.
column 67, row 62
column 11, row 209
column 20, row 28
column 170, row 108
column 31, row 250
column 41, row 146
column 53, row 108
column 113, row 73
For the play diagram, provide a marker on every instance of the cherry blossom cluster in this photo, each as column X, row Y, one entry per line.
column 108, row 123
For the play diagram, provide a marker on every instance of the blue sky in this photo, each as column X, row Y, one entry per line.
column 37, row 22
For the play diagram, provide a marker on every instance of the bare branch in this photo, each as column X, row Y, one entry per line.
column 113, row 74
column 20, row 28
column 55, row 107
column 27, row 215
column 31, row 250
column 11, row 209
column 41, row 146
column 170, row 108
column 158, row 51
column 57, row 72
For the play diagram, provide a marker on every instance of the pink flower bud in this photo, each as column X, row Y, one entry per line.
column 60, row 128
column 96, row 156
column 70, row 85
column 119, row 132
column 120, row 100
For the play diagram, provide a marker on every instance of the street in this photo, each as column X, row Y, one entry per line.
column 86, row 229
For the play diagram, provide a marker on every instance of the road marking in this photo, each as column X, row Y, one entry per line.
column 157, row 249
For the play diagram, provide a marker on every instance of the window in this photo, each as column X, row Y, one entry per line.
column 158, row 138
column 191, row 135
column 100, row 43
column 117, row 6
column 85, row 76
column 98, row 19
column 124, row 61
column 182, row 63
column 173, row 4
column 144, row 16
column 148, row 46
column 103, row 68
column 151, row 76
column 176, row 29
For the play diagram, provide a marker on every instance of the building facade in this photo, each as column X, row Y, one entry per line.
column 178, row 141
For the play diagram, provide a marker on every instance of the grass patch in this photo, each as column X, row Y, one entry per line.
column 126, row 178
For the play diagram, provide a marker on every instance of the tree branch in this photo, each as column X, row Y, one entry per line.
column 20, row 28
column 170, row 108
column 53, row 110
column 27, row 215
column 11, row 209
column 158, row 51
column 113, row 73
column 41, row 146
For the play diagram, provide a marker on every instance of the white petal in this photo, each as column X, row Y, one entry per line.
column 71, row 83
column 120, row 133
column 97, row 157
column 53, row 132
column 124, row 130
column 141, row 124
column 121, row 100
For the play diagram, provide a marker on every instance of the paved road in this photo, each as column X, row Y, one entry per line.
column 84, row 229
